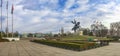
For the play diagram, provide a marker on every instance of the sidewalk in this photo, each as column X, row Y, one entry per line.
column 26, row 48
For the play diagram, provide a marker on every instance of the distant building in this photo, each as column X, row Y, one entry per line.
column 115, row 29
column 39, row 35
column 24, row 35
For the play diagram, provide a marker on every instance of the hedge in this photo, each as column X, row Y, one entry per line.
column 68, row 45
column 4, row 40
column 88, row 44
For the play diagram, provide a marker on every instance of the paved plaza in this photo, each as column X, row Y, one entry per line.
column 26, row 48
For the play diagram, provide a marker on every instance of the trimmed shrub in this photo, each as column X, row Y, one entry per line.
column 87, row 45
column 4, row 40
column 68, row 45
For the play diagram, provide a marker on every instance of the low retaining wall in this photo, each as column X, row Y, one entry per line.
column 12, row 38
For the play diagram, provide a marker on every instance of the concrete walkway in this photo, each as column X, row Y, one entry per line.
column 26, row 48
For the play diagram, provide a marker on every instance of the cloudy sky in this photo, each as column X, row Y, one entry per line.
column 50, row 15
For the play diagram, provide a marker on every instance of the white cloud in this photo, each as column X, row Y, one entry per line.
column 105, row 7
column 69, row 3
column 48, row 20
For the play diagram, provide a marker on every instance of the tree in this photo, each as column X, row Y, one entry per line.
column 86, row 31
column 16, row 34
column 0, row 36
column 3, row 34
column 30, row 35
column 90, row 34
column 99, row 29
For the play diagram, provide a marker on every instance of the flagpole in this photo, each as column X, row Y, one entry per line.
column 12, row 25
column 1, row 19
column 7, row 19
column 12, row 19
column 7, row 23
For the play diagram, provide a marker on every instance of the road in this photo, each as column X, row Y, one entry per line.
column 26, row 48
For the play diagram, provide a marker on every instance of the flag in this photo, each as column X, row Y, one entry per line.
column 7, row 5
column 1, row 3
column 12, row 9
